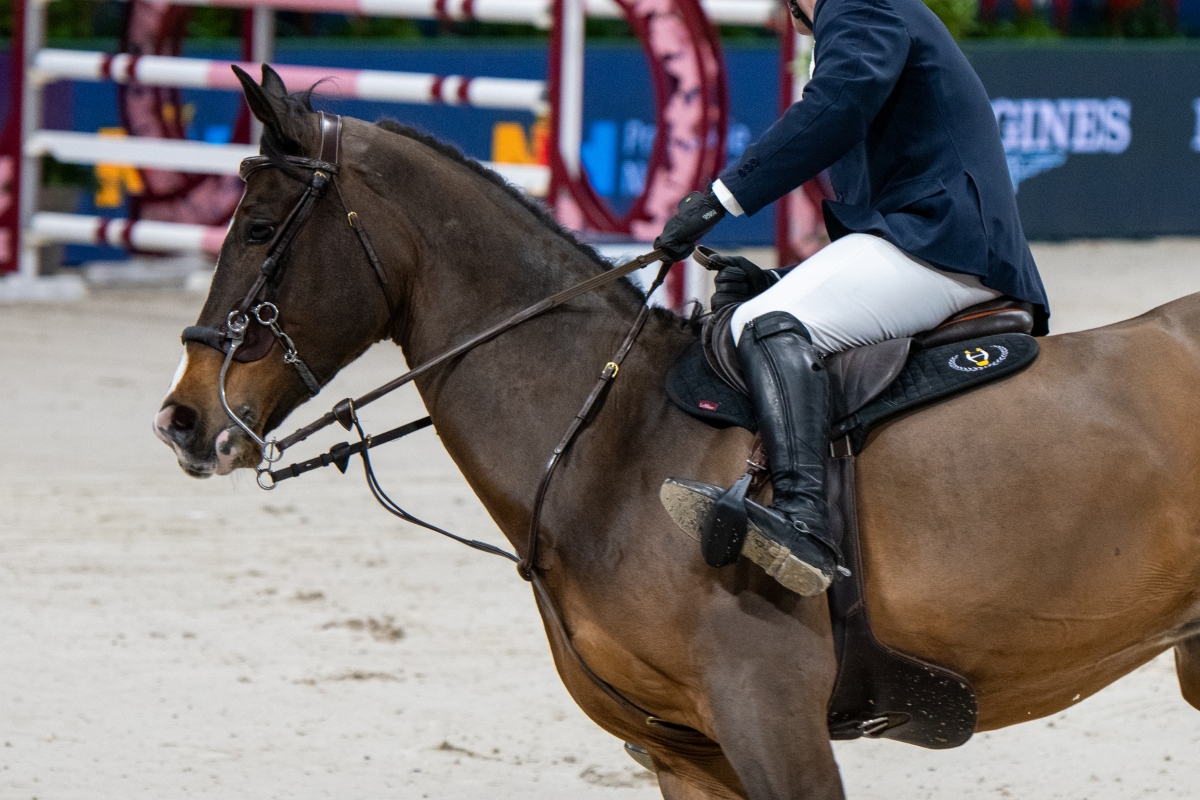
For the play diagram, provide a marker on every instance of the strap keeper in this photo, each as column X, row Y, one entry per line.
column 841, row 448
column 343, row 412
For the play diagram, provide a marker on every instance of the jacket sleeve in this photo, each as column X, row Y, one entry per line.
column 861, row 49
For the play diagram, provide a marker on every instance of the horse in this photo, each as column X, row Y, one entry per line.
column 1039, row 535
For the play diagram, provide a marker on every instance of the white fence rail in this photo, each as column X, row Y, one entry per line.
column 146, row 235
column 527, row 12
column 181, row 155
column 363, row 84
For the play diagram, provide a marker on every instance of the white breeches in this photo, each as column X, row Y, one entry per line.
column 861, row 290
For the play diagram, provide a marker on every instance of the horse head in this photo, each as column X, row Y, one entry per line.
column 312, row 271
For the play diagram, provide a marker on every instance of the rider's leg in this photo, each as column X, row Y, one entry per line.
column 858, row 291
column 861, row 290
column 790, row 391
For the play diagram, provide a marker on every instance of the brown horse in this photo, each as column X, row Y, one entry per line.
column 1040, row 535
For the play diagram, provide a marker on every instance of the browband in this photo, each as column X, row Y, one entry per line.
column 331, row 151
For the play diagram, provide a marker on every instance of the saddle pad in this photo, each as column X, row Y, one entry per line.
column 928, row 375
column 937, row 373
column 697, row 389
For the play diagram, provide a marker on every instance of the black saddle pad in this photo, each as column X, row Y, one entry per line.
column 697, row 389
column 928, row 375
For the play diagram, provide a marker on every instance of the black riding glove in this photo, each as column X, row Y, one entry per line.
column 698, row 214
column 739, row 280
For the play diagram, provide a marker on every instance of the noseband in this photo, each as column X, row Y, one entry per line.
column 236, row 337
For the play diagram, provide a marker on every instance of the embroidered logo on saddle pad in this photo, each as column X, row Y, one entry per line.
column 979, row 358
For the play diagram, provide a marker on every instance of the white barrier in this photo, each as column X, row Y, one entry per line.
column 177, row 155
column 566, row 108
column 527, row 12
column 361, row 84
column 184, row 155
column 145, row 235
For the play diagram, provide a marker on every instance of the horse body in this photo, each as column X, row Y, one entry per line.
column 1038, row 535
column 1041, row 535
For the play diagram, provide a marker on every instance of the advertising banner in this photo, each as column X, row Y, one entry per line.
column 1102, row 138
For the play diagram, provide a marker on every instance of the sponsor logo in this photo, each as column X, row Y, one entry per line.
column 1038, row 134
column 709, row 405
column 979, row 358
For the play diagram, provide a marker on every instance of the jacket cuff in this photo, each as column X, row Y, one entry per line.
column 727, row 199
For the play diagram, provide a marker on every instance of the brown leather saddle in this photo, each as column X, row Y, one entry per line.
column 861, row 374
column 881, row 692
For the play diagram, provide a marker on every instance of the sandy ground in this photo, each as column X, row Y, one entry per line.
column 164, row 637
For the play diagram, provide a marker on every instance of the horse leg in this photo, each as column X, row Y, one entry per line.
column 769, row 669
column 696, row 774
column 1187, row 667
column 676, row 787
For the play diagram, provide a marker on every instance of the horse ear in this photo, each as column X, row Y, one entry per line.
column 272, row 83
column 269, row 106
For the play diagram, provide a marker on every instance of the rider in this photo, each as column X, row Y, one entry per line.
column 924, row 225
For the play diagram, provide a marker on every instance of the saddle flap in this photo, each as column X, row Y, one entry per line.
column 863, row 373
column 720, row 351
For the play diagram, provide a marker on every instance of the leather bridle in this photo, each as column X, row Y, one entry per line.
column 243, row 343
column 236, row 338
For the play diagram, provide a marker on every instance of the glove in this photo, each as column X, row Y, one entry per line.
column 698, row 214
column 739, row 280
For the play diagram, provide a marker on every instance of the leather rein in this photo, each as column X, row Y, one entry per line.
column 241, row 342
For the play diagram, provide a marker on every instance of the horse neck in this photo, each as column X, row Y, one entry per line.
column 501, row 408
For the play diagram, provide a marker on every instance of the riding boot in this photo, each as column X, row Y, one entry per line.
column 790, row 390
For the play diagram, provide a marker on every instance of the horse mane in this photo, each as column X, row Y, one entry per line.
column 538, row 209
column 277, row 148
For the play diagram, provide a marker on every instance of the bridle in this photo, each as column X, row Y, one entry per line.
column 236, row 333
column 243, row 343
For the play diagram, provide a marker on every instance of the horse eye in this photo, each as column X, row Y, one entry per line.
column 260, row 232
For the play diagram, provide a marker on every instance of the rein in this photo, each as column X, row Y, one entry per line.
column 233, row 335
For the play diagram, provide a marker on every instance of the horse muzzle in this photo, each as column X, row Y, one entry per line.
column 194, row 424
column 201, row 456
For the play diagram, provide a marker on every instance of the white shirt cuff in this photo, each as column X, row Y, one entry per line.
column 727, row 199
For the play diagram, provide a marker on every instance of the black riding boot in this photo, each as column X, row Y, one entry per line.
column 790, row 390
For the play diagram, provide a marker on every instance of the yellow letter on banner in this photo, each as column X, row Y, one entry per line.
column 510, row 145
column 113, row 178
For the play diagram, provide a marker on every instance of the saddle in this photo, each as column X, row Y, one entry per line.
column 880, row 692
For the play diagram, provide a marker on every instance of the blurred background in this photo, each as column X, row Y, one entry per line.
column 165, row 637
column 1097, row 101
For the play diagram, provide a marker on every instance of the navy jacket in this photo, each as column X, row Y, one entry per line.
column 905, row 128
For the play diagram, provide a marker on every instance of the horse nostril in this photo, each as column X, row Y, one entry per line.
column 183, row 419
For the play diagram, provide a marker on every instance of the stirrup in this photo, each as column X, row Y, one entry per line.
column 690, row 503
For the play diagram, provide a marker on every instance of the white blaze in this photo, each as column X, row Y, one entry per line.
column 182, row 368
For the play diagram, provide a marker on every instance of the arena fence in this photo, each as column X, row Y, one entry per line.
column 685, row 65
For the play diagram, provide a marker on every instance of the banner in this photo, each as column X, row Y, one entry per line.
column 1102, row 138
